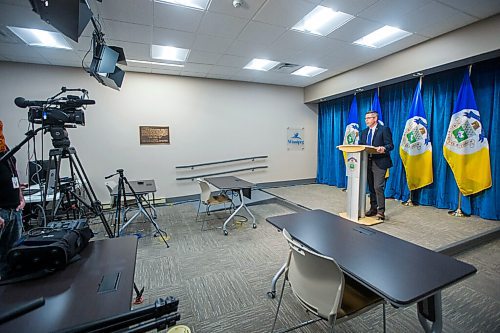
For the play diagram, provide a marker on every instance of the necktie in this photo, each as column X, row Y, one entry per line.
column 369, row 139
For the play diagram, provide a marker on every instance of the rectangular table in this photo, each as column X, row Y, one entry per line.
column 399, row 271
column 242, row 187
column 142, row 188
column 72, row 295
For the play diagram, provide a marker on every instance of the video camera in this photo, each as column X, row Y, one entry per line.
column 57, row 113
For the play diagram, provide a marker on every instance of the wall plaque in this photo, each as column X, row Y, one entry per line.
column 154, row 135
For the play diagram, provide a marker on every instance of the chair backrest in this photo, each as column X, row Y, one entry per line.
column 110, row 185
column 316, row 280
column 205, row 190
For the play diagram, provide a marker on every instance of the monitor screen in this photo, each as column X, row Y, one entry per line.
column 37, row 170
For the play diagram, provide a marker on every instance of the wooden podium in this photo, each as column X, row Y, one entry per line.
column 356, row 165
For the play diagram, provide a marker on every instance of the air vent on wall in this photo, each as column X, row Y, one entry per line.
column 285, row 67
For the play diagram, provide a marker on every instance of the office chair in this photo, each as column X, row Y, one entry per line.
column 322, row 288
column 208, row 199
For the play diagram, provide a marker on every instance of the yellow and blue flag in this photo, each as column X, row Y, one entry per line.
column 466, row 147
column 415, row 148
column 351, row 136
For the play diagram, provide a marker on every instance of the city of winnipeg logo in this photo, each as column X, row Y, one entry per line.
column 352, row 163
column 465, row 132
column 416, row 137
column 295, row 139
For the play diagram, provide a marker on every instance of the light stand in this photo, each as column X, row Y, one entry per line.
column 121, row 194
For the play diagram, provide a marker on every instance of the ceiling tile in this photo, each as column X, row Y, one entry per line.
column 199, row 68
column 390, row 12
column 261, row 33
column 127, row 32
column 176, row 17
column 203, row 57
column 131, row 11
column 211, row 43
column 296, row 41
column 348, row 6
column 478, row 8
column 233, row 61
column 222, row 25
column 193, row 74
column 250, row 50
column 355, row 29
column 165, row 71
column 168, row 37
column 221, row 70
column 285, row 13
column 247, row 10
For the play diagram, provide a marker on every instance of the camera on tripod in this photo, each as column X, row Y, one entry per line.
column 57, row 113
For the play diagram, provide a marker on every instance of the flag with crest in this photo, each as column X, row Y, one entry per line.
column 415, row 148
column 466, row 147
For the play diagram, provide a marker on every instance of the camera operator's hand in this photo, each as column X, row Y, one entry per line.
column 2, row 222
column 22, row 203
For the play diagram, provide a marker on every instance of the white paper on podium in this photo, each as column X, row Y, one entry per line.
column 352, row 165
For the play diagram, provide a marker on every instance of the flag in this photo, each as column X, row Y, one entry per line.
column 351, row 136
column 466, row 148
column 415, row 148
column 376, row 107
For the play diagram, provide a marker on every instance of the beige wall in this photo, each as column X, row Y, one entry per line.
column 467, row 42
column 209, row 120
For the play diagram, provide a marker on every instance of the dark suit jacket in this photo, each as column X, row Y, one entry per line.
column 381, row 137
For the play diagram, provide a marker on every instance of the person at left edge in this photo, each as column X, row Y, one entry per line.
column 11, row 204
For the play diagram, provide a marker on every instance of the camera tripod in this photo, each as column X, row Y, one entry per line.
column 69, row 191
column 121, row 193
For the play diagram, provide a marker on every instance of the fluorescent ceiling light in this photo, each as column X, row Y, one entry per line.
column 195, row 4
column 35, row 37
column 322, row 21
column 169, row 53
column 261, row 64
column 154, row 63
column 309, row 71
column 382, row 37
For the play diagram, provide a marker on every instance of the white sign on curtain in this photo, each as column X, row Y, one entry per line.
column 295, row 138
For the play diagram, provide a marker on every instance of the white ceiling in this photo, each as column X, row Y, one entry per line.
column 223, row 39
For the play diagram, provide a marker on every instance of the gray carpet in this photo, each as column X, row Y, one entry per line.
column 222, row 281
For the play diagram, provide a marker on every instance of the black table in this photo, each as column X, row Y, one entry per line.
column 72, row 295
column 231, row 183
column 399, row 271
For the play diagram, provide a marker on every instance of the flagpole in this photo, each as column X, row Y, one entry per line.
column 458, row 212
column 409, row 202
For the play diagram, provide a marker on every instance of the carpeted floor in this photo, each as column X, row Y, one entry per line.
column 222, row 281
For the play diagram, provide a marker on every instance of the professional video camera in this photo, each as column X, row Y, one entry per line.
column 57, row 113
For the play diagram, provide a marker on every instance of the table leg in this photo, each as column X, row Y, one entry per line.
column 241, row 206
column 430, row 310
column 272, row 293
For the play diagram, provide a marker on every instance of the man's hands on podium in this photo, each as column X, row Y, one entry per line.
column 380, row 149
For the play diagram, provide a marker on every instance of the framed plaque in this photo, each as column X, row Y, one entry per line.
column 154, row 135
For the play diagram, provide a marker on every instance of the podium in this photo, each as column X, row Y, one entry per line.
column 356, row 165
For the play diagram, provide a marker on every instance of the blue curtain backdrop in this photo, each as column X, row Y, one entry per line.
column 439, row 93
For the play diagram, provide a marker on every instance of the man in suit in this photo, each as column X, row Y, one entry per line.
column 380, row 137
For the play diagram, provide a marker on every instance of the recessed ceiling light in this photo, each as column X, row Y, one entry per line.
column 382, row 37
column 261, row 64
column 154, row 63
column 169, row 53
column 195, row 4
column 309, row 71
column 35, row 37
column 322, row 21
